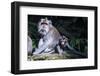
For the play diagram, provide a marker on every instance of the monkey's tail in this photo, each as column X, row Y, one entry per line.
column 75, row 51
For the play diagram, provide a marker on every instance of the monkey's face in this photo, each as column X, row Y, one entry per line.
column 63, row 41
column 44, row 26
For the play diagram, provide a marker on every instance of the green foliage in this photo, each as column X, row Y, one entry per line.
column 32, row 32
column 34, row 43
column 79, row 44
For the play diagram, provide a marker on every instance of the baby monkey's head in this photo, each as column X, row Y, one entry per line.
column 63, row 41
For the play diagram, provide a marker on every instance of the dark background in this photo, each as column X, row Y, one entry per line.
column 75, row 28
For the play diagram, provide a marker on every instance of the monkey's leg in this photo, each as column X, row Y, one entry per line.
column 39, row 45
column 40, row 49
column 60, row 51
column 48, row 51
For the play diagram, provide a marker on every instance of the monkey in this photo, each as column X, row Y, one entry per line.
column 49, row 38
column 63, row 41
column 64, row 45
column 29, row 45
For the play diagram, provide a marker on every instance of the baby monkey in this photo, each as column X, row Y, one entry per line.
column 64, row 45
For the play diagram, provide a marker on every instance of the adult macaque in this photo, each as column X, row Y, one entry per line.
column 49, row 38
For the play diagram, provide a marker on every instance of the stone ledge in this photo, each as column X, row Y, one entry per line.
column 47, row 57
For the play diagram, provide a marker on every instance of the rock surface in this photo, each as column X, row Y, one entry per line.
column 50, row 57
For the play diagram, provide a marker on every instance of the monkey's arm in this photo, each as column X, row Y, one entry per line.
column 41, row 48
column 40, row 43
column 59, row 50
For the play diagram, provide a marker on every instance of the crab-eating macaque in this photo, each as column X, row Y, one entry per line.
column 64, row 44
column 49, row 38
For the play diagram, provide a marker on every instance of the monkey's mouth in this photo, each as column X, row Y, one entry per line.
column 44, row 23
